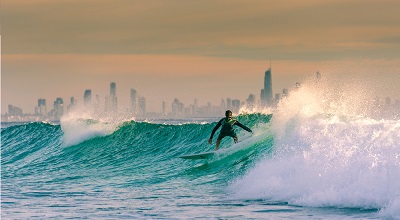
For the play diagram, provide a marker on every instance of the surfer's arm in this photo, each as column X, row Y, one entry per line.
column 215, row 129
column 242, row 126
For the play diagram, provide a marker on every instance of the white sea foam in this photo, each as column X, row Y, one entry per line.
column 329, row 151
column 83, row 124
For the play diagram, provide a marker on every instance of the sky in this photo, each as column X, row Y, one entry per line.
column 187, row 49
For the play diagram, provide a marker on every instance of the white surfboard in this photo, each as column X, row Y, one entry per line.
column 204, row 155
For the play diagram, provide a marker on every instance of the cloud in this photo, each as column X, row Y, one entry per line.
column 308, row 30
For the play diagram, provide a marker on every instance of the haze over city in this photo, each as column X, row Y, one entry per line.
column 209, row 50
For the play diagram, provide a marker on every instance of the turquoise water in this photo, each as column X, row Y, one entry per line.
column 320, row 168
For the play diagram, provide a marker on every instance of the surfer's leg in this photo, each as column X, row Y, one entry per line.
column 217, row 144
column 220, row 137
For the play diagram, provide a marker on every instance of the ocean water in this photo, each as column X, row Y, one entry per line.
column 311, row 158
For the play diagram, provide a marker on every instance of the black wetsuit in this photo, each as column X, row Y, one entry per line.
column 227, row 128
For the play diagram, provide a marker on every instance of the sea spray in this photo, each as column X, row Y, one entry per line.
column 330, row 151
column 83, row 124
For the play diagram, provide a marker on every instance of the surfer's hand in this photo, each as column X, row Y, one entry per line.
column 210, row 141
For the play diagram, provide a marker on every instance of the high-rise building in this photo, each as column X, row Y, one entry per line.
column 87, row 97
column 14, row 111
column 42, row 107
column 113, row 89
column 142, row 105
column 266, row 92
column 113, row 95
column 134, row 101
column 222, row 105
column 235, row 105
column 72, row 101
column 277, row 99
column 177, row 108
column 71, row 104
column 58, row 107
column 164, row 108
column 112, row 101
column 251, row 101
column 228, row 103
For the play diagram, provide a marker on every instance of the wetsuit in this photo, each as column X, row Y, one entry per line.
column 227, row 128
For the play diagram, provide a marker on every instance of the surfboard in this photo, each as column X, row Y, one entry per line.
column 204, row 155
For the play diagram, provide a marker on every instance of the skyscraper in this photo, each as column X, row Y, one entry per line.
column 266, row 92
column 164, row 108
column 58, row 107
column 142, row 105
column 71, row 104
column 113, row 89
column 42, row 107
column 14, row 111
column 134, row 101
column 113, row 101
column 228, row 103
column 177, row 108
column 235, row 105
column 87, row 97
column 251, row 101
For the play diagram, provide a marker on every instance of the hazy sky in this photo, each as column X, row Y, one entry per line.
column 188, row 49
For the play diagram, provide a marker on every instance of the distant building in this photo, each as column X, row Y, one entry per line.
column 72, row 104
column 277, row 99
column 228, row 103
column 42, row 110
column 87, row 97
column 113, row 96
column 58, row 107
column 235, row 105
column 113, row 89
column 14, row 111
column 251, row 101
column 222, row 105
column 112, row 100
column 134, row 100
column 164, row 108
column 142, row 105
column 177, row 108
column 266, row 92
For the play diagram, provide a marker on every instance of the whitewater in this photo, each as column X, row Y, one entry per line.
column 324, row 152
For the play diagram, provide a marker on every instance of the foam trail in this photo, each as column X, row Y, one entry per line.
column 329, row 151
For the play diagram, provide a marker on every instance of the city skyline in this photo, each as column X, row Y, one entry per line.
column 189, row 49
column 109, row 104
column 137, row 103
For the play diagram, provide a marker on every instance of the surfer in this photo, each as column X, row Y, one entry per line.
column 227, row 124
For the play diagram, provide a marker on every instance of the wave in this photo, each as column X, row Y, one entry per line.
column 137, row 152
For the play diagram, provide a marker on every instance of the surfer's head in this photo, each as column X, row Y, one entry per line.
column 228, row 114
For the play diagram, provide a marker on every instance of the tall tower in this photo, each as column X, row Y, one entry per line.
column 142, row 105
column 113, row 97
column 113, row 89
column 134, row 101
column 266, row 93
column 164, row 108
column 42, row 106
column 58, row 107
column 87, row 97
